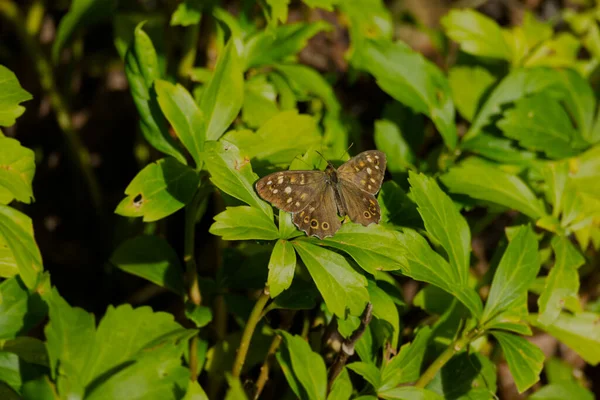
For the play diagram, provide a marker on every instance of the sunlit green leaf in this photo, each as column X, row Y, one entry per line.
column 159, row 190
column 183, row 114
column 412, row 80
column 443, row 222
column 562, row 284
column 19, row 310
column 525, row 360
column 16, row 230
column 223, row 96
column 476, row 34
column 244, row 223
column 188, row 13
column 281, row 267
column 232, row 173
column 477, row 79
column 515, row 273
column 142, row 68
column 342, row 288
column 17, row 167
column 481, row 180
column 11, row 94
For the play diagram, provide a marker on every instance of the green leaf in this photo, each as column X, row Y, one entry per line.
column 525, row 360
column 384, row 309
column 244, row 223
column 389, row 139
column 195, row 392
column 281, row 267
column 151, row 258
column 17, row 167
column 39, row 389
column 564, row 390
column 30, row 350
column 10, row 375
column 279, row 10
column 466, row 376
column 308, row 366
column 232, row 173
column 236, row 390
column 476, row 34
column 578, row 331
column 199, row 315
column 17, row 231
column 342, row 387
column 11, row 94
column 368, row 19
column 70, row 339
column 280, row 139
column 406, row 366
column 409, row 393
column 373, row 247
column 412, row 80
column 125, row 333
column 142, row 68
column 159, row 190
column 443, row 222
column 499, row 149
column 580, row 101
column 274, row 45
column 515, row 273
column 541, row 124
column 156, row 374
column 301, row 295
column 477, row 79
column 519, row 83
column 223, row 96
column 481, row 180
column 421, row 263
column 83, row 13
column 369, row 372
column 397, row 208
column 342, row 288
column 562, row 284
column 183, row 114
column 188, row 12
column 19, row 310
column 260, row 101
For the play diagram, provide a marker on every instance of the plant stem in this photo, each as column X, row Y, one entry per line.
column 248, row 332
column 194, row 358
column 264, row 370
column 189, row 249
column 443, row 358
column 79, row 154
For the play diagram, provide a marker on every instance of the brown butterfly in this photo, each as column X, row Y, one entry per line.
column 315, row 198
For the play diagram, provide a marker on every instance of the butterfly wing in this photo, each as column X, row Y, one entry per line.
column 291, row 191
column 320, row 217
column 360, row 206
column 365, row 171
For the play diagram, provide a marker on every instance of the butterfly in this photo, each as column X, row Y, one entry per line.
column 315, row 198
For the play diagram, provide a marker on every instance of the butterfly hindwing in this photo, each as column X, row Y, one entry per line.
column 291, row 191
column 365, row 171
column 360, row 206
column 320, row 217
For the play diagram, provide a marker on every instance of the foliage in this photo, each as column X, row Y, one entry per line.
column 505, row 139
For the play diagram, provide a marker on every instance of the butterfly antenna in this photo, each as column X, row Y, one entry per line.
column 304, row 161
column 326, row 160
column 347, row 150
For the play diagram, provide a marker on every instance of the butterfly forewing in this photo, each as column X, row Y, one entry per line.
column 365, row 171
column 360, row 206
column 320, row 217
column 291, row 191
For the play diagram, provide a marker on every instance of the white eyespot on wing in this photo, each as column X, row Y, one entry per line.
column 275, row 191
column 289, row 200
column 288, row 190
column 280, row 180
column 369, row 170
column 269, row 183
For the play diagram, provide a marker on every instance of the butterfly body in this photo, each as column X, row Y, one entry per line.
column 315, row 198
